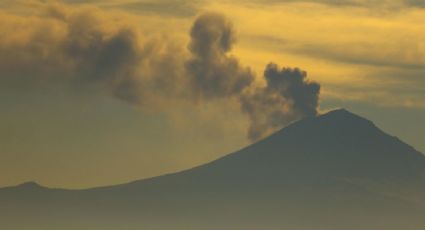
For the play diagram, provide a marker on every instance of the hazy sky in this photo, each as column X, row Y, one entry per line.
column 104, row 92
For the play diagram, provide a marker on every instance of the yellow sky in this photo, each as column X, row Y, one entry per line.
column 367, row 55
column 363, row 46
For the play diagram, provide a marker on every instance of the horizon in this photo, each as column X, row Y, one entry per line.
column 339, row 111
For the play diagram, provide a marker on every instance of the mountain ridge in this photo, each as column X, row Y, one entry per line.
column 332, row 118
column 330, row 172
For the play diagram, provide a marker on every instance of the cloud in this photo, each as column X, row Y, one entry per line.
column 87, row 49
column 176, row 8
column 360, row 54
column 164, row 8
column 288, row 96
column 382, row 4
column 92, row 50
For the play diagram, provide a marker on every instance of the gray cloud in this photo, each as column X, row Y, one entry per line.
column 288, row 96
column 378, row 4
column 177, row 8
column 394, row 54
column 172, row 8
column 382, row 55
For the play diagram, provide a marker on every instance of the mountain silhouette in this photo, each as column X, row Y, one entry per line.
column 334, row 171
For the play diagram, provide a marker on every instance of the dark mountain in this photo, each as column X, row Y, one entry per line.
column 335, row 171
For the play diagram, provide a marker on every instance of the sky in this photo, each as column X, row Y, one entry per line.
column 96, row 93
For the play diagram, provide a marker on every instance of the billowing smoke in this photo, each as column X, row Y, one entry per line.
column 86, row 48
column 288, row 96
column 212, row 72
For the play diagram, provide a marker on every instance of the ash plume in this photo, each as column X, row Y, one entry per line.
column 86, row 48
column 212, row 72
column 288, row 96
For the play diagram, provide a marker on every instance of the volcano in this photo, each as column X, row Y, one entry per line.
column 334, row 171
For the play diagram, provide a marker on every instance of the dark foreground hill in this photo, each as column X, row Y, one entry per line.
column 337, row 171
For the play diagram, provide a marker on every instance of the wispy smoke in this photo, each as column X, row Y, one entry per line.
column 85, row 48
